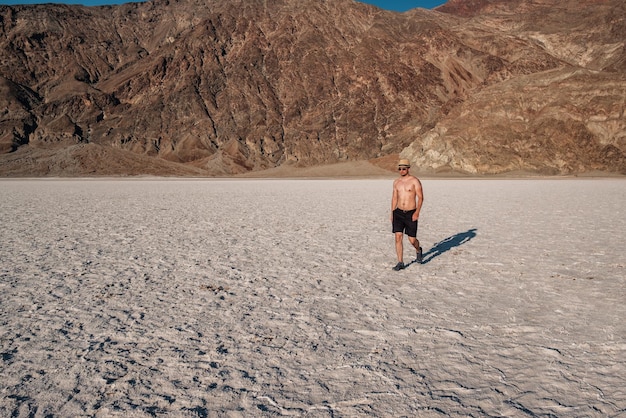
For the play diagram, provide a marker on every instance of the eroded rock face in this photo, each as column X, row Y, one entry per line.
column 226, row 87
column 568, row 119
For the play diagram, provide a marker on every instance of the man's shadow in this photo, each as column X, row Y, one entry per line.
column 447, row 244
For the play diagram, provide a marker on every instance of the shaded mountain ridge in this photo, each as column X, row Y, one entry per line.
column 221, row 88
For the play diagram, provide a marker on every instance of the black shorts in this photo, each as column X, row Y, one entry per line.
column 403, row 222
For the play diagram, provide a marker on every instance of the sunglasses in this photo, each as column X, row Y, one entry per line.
column 402, row 168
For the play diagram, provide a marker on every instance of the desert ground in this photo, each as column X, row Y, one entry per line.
column 275, row 297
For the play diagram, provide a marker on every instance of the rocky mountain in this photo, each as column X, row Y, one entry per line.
column 224, row 87
column 565, row 117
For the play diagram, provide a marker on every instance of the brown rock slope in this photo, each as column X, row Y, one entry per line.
column 208, row 87
column 567, row 119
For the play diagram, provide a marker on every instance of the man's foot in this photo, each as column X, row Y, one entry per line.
column 399, row 266
column 419, row 255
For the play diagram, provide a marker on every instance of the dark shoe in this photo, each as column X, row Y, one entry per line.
column 399, row 266
column 419, row 255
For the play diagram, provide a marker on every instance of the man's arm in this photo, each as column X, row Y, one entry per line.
column 394, row 199
column 419, row 197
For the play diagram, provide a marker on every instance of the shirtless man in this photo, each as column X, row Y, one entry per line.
column 406, row 203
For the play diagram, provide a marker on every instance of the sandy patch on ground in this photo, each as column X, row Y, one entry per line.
column 352, row 169
column 276, row 297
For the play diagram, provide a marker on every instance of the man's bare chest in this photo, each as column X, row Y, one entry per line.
column 406, row 188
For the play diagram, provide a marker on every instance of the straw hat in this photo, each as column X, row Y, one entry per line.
column 404, row 163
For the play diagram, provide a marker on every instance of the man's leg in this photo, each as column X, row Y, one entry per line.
column 400, row 265
column 418, row 250
column 399, row 249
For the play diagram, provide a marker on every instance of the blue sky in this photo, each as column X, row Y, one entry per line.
column 396, row 5
column 404, row 5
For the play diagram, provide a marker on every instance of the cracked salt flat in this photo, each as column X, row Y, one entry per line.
column 276, row 297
